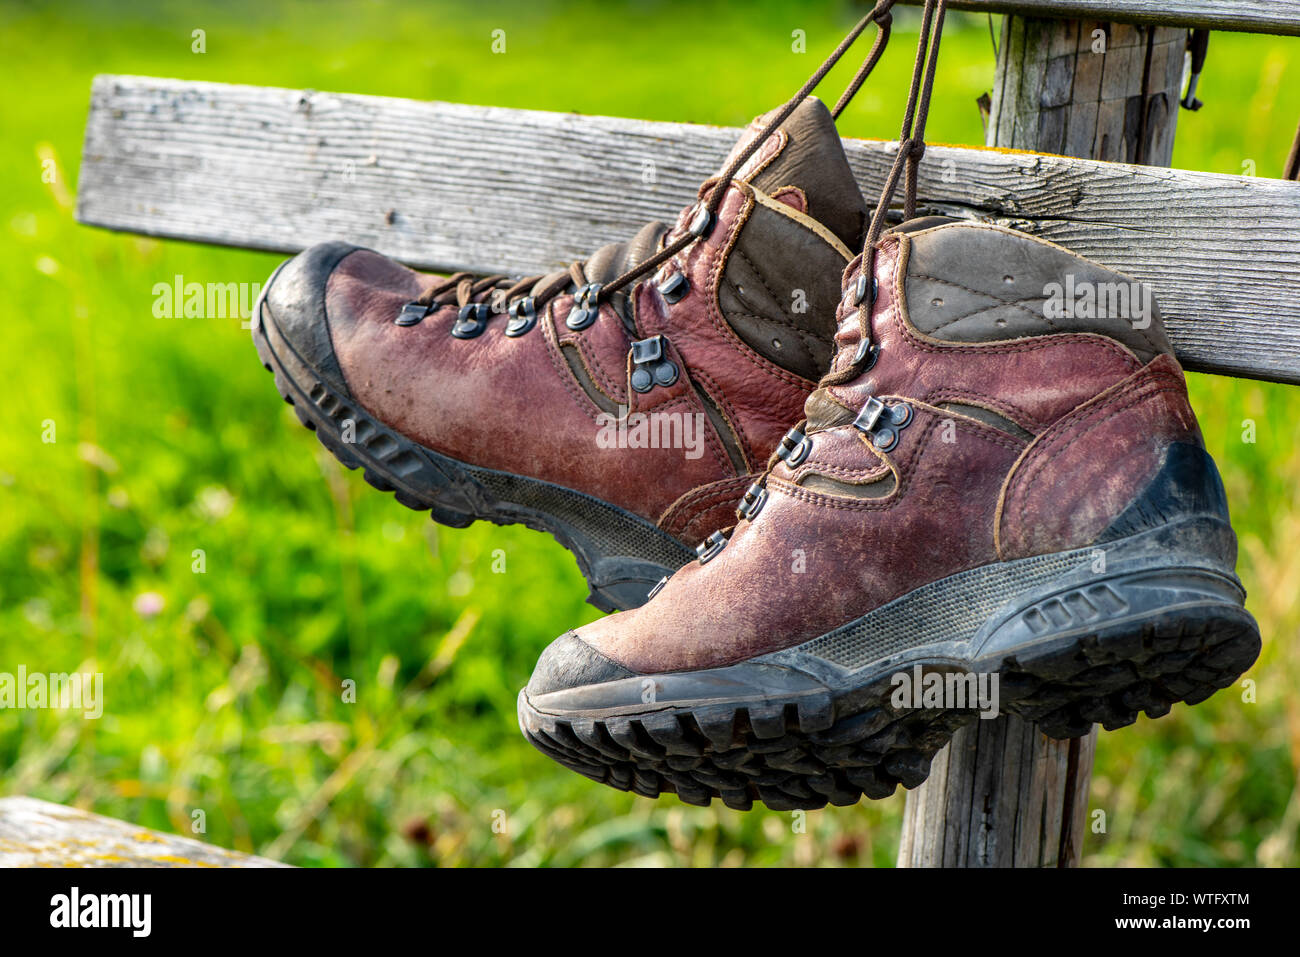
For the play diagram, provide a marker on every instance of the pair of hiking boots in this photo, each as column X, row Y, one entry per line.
column 976, row 483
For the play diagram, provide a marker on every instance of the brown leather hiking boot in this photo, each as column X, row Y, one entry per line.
column 1000, row 501
column 624, row 422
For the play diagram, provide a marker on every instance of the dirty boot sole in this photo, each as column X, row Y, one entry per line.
column 621, row 555
column 817, row 723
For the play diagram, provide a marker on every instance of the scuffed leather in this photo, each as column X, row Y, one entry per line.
column 503, row 403
column 1083, row 471
column 516, row 405
column 704, row 510
column 953, row 494
column 855, row 554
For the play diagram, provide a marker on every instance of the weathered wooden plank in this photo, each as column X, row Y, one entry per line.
column 452, row 186
column 1033, row 70
column 1006, row 83
column 40, row 834
column 1280, row 17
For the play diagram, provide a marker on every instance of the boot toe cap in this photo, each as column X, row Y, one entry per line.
column 569, row 662
column 295, row 299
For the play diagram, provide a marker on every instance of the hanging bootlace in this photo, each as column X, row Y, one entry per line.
column 707, row 211
column 467, row 292
column 795, row 446
column 911, row 147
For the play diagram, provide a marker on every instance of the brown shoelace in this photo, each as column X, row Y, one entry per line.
column 911, row 148
column 467, row 287
column 465, row 290
column 706, row 214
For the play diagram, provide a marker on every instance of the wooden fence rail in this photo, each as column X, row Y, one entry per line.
column 495, row 190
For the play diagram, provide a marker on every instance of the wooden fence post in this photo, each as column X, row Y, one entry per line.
column 1001, row 794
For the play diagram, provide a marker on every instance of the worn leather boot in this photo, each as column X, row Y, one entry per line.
column 1008, row 508
column 624, row 425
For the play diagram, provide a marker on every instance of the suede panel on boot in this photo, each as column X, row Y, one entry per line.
column 770, row 294
column 969, row 282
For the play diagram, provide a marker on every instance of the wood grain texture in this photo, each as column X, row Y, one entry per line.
column 1000, row 795
column 1280, row 17
column 40, row 834
column 449, row 186
column 1082, row 88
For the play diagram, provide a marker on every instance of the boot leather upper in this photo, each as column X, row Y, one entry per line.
column 744, row 338
column 1068, row 423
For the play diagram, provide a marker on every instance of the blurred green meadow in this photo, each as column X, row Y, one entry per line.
column 164, row 519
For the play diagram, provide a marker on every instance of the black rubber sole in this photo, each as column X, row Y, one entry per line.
column 797, row 730
column 621, row 555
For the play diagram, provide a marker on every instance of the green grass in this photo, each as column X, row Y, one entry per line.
column 170, row 438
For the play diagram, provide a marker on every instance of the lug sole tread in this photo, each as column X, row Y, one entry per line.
column 788, row 755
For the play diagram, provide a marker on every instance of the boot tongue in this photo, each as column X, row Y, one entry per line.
column 801, row 167
column 813, row 161
column 612, row 260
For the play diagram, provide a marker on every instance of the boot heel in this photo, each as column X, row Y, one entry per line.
column 1130, row 642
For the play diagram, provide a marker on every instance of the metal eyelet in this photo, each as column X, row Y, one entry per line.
column 412, row 313
column 860, row 291
column 753, row 501
column 674, row 287
column 883, row 422
column 585, row 308
column 523, row 316
column 900, row 415
column 703, row 223
column 711, row 547
column 651, row 366
column 794, row 448
column 885, row 438
column 801, row 451
column 870, row 415
column 865, row 358
column 471, row 320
